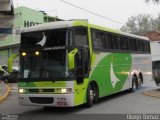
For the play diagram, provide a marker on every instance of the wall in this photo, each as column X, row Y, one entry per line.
column 24, row 17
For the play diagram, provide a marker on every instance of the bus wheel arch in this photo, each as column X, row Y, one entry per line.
column 92, row 93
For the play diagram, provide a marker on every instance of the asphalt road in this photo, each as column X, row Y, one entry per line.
column 122, row 103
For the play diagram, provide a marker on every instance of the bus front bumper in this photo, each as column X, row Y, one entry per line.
column 58, row 100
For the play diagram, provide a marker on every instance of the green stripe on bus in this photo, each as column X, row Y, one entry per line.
column 121, row 63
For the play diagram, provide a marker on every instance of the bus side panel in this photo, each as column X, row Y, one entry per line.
column 80, row 92
column 111, row 72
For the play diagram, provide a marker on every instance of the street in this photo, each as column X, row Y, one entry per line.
column 121, row 103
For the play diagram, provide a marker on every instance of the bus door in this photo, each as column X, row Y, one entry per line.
column 82, row 57
column 82, row 64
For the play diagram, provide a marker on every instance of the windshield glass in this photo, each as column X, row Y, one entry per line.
column 48, row 64
column 43, row 39
column 45, row 54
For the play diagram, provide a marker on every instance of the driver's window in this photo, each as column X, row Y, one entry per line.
column 81, row 37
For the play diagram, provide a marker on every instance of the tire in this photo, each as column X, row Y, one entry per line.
column 90, row 96
column 6, row 80
column 140, row 82
column 134, row 84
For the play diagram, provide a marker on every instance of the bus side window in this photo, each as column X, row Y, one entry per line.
column 95, row 40
column 124, row 43
column 108, row 39
column 140, row 45
column 132, row 44
column 81, row 37
column 114, row 42
column 101, row 37
column 146, row 46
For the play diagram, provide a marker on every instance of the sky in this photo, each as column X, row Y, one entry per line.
column 116, row 10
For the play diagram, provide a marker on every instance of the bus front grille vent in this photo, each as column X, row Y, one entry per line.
column 41, row 90
column 41, row 100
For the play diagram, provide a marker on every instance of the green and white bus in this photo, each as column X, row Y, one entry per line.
column 69, row 63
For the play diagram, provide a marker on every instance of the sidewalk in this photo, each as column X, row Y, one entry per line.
column 153, row 93
column 4, row 91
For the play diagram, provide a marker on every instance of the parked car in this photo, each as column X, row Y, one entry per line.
column 10, row 77
column 1, row 72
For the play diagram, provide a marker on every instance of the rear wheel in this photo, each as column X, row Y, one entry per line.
column 140, row 81
column 134, row 84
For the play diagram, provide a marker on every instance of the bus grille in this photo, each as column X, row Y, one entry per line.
column 41, row 100
column 41, row 90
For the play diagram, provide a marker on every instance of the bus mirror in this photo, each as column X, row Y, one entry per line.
column 71, row 59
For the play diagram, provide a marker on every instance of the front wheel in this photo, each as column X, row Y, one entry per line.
column 90, row 96
column 6, row 80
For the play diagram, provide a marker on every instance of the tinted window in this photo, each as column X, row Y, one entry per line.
column 108, row 40
column 114, row 42
column 101, row 37
column 95, row 40
column 146, row 46
column 133, row 44
column 123, row 43
column 81, row 37
column 139, row 45
column 48, row 38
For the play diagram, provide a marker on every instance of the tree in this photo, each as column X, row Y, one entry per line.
column 154, row 1
column 157, row 23
column 140, row 24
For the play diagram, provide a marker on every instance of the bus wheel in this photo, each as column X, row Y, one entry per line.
column 134, row 84
column 6, row 80
column 90, row 96
column 139, row 81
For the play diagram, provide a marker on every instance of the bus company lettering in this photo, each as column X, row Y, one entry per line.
column 54, row 48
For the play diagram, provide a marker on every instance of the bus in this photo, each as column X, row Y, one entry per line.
column 69, row 63
column 155, row 48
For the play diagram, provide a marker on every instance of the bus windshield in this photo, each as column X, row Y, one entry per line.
column 45, row 54
column 48, row 64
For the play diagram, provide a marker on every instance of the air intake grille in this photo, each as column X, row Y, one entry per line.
column 41, row 100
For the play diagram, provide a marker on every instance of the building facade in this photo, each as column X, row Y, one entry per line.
column 6, row 17
column 24, row 17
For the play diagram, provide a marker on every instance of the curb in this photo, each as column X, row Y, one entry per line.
column 151, row 95
column 5, row 94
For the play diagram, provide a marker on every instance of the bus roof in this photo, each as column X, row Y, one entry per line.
column 67, row 24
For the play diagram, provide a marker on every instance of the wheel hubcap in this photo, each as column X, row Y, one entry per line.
column 91, row 94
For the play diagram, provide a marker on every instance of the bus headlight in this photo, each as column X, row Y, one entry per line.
column 37, row 53
column 64, row 90
column 24, row 54
column 21, row 91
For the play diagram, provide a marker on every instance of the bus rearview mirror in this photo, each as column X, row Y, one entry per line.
column 71, row 59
